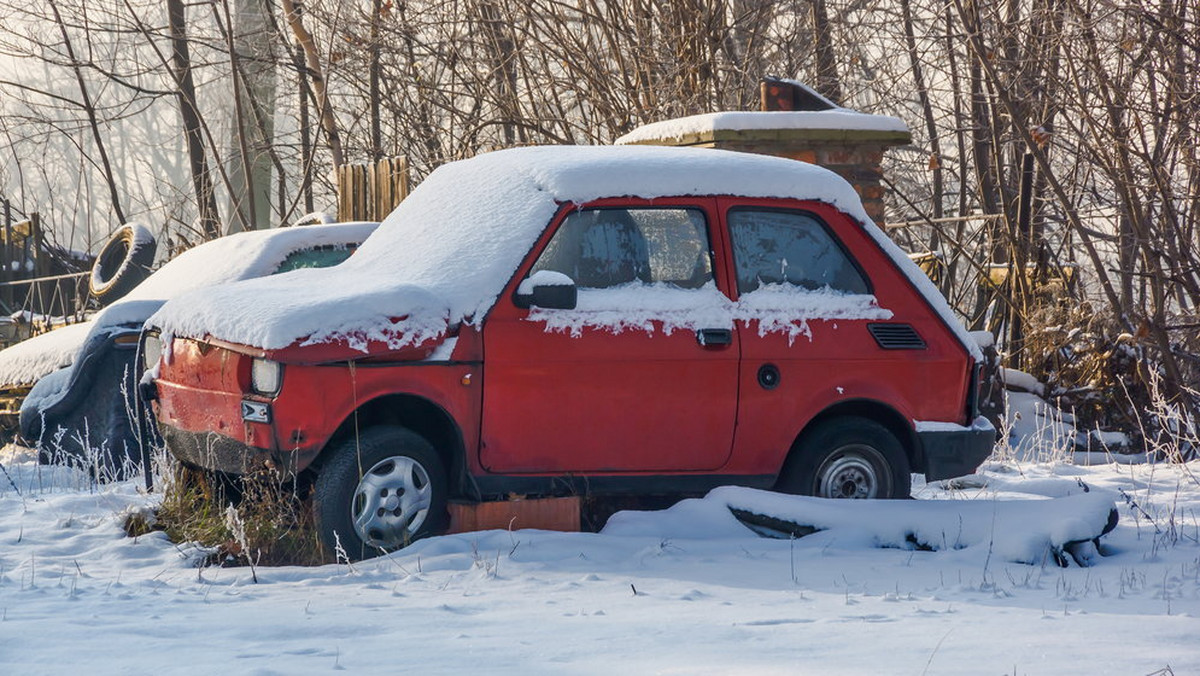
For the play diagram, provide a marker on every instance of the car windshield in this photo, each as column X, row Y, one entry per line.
column 315, row 257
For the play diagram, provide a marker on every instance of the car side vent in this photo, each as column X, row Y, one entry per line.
column 896, row 336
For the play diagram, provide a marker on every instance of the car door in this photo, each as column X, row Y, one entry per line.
column 641, row 376
column 804, row 306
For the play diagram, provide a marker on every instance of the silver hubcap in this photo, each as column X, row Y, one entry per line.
column 391, row 502
column 849, row 473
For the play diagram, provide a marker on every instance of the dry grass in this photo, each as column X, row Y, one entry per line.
column 1091, row 368
column 257, row 519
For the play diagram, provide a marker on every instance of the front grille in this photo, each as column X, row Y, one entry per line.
column 896, row 336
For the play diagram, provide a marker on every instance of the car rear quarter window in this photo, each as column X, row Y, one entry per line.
column 789, row 247
column 602, row 248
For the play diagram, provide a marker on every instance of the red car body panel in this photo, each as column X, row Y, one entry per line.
column 634, row 401
column 528, row 401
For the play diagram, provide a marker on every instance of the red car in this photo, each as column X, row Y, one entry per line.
column 549, row 321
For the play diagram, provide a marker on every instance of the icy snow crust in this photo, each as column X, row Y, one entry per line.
column 839, row 118
column 778, row 308
column 979, row 424
column 445, row 253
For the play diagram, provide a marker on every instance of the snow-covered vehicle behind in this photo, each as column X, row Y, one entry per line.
column 547, row 321
column 83, row 408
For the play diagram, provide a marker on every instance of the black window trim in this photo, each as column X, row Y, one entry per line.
column 803, row 212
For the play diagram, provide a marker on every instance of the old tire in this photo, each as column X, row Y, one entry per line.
column 122, row 264
column 378, row 493
column 848, row 457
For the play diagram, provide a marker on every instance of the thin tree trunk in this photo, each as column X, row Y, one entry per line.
column 312, row 59
column 242, row 191
column 306, row 153
column 206, row 203
column 828, row 83
column 373, row 83
column 935, row 145
column 90, row 109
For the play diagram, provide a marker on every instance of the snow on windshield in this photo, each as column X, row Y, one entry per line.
column 446, row 252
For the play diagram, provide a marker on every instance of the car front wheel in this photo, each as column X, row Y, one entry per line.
column 379, row 492
column 848, row 457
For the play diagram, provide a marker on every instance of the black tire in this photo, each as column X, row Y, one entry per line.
column 847, row 457
column 389, row 472
column 122, row 264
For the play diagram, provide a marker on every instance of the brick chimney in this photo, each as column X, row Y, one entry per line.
column 797, row 123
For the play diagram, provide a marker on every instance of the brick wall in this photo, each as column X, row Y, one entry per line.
column 858, row 163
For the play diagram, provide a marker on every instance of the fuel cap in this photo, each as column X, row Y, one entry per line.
column 768, row 376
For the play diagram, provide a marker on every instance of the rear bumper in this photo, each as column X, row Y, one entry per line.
column 953, row 450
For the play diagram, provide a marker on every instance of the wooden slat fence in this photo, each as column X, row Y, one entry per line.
column 369, row 192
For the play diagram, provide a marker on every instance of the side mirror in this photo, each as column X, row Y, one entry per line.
column 547, row 289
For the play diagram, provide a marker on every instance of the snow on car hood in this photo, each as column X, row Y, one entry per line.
column 446, row 252
column 305, row 308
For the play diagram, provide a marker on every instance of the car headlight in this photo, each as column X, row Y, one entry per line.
column 265, row 376
column 151, row 351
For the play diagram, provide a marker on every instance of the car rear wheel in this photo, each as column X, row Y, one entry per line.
column 848, row 457
column 378, row 493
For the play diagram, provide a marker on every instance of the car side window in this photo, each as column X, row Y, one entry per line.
column 606, row 247
column 323, row 256
column 789, row 247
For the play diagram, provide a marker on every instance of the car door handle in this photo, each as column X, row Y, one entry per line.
column 714, row 337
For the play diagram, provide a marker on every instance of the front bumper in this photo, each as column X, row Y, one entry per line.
column 217, row 452
column 953, row 450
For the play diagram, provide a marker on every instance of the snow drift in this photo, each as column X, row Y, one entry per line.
column 1022, row 531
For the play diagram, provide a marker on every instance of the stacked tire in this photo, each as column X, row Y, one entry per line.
column 123, row 263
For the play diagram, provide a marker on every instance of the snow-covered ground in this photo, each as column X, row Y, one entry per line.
column 684, row 591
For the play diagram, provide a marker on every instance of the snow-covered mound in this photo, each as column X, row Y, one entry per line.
column 25, row 362
column 446, row 252
column 1023, row 531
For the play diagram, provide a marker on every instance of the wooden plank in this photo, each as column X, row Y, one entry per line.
column 559, row 514
column 371, row 191
column 340, row 180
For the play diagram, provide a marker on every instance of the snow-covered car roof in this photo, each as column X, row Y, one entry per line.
column 234, row 257
column 445, row 253
column 242, row 255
